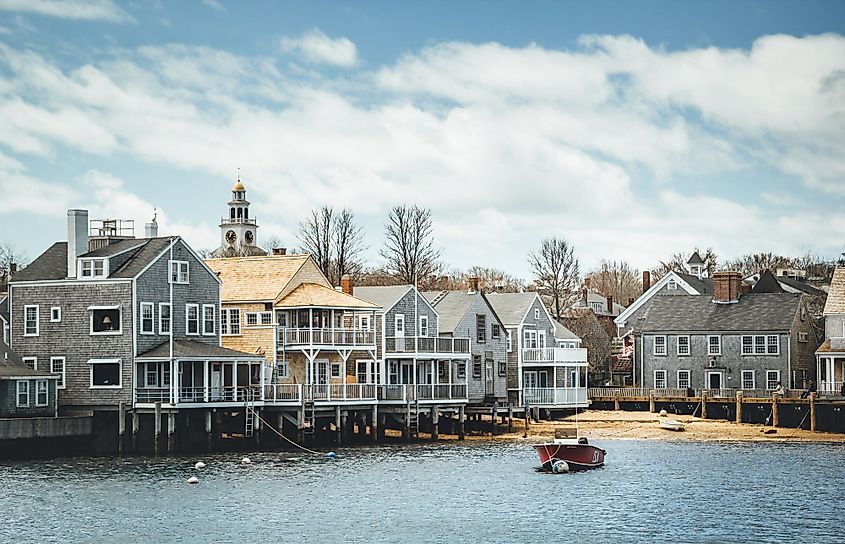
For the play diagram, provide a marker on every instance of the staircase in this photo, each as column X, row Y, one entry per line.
column 249, row 414
column 309, row 422
column 414, row 421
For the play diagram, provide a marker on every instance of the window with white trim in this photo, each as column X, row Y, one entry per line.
column 335, row 370
column 164, row 318
column 748, row 379
column 747, row 345
column 671, row 285
column 503, row 368
column 683, row 345
column 772, row 345
column 714, row 345
column 230, row 321
column 683, row 379
column 147, row 318
column 105, row 373
column 423, row 325
column 495, row 330
column 399, row 325
column 30, row 320
column 106, row 320
column 22, row 400
column 536, row 313
column 510, row 341
column 481, row 327
column 529, row 339
column 251, row 319
column 266, row 318
column 476, row 366
column 41, row 396
column 57, row 366
column 772, row 379
column 660, row 345
column 92, row 268
column 179, row 272
column 761, row 345
column 192, row 319
column 461, row 369
column 31, row 362
column 282, row 368
column 55, row 314
column 660, row 379
column 209, row 320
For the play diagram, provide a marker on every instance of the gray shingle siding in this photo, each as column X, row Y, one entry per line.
column 9, row 395
column 467, row 328
column 833, row 326
column 405, row 306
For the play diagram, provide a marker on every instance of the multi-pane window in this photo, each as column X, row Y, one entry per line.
column 31, row 362
column 23, row 393
column 57, row 366
column 164, row 318
column 683, row 379
column 481, row 327
column 476, row 366
column 748, row 379
column 251, row 319
column 660, row 345
column 683, row 345
column 147, row 318
column 772, row 379
column 714, row 345
column 266, row 318
column 423, row 325
column 461, row 370
column 772, row 347
column 208, row 319
column 495, row 330
column 335, row 370
column 530, row 339
column 760, row 345
column 192, row 318
column 230, row 321
column 30, row 317
column 747, row 345
column 93, row 268
column 41, row 393
column 282, row 368
column 660, row 379
column 503, row 368
column 179, row 272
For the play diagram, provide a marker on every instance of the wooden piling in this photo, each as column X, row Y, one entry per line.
column 208, row 434
column 406, row 428
column 527, row 425
column 739, row 406
column 510, row 416
column 258, row 427
column 775, row 410
column 374, row 426
column 813, row 411
column 616, row 404
column 171, row 432
column 121, row 428
column 651, row 406
column 135, row 427
column 300, row 425
column 382, row 426
column 493, row 420
column 338, row 426
column 157, row 432
column 461, row 428
column 435, row 424
column 704, row 404
column 218, row 424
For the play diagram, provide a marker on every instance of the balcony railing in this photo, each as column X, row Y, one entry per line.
column 331, row 392
column 326, row 337
column 438, row 345
column 569, row 356
column 238, row 220
column 197, row 394
column 830, row 388
column 555, row 396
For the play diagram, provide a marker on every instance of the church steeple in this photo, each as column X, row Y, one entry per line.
column 238, row 233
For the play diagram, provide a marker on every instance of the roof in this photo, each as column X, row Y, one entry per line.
column 511, row 307
column 192, row 348
column 452, row 306
column 50, row 265
column 698, row 313
column 799, row 285
column 255, row 278
column 695, row 258
column 767, row 283
column 827, row 347
column 704, row 286
column 4, row 308
column 240, row 251
column 595, row 297
column 836, row 296
column 143, row 256
column 116, row 247
column 13, row 366
column 314, row 294
column 562, row 333
column 384, row 296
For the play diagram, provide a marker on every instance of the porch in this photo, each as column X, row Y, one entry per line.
column 830, row 370
column 427, row 346
column 554, row 355
column 558, row 385
column 424, row 380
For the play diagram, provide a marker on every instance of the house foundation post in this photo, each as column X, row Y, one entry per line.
column 171, row 432
column 510, row 416
column 338, row 426
column 739, row 406
column 775, row 410
column 461, row 429
column 651, row 404
column 135, row 426
column 704, row 404
column 121, row 428
column 616, row 404
column 435, row 424
column 208, row 430
column 494, row 418
column 374, row 426
column 157, row 432
column 813, row 411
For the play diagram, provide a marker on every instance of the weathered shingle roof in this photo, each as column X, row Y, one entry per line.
column 313, row 294
column 451, row 306
column 50, row 265
column 563, row 333
column 695, row 258
column 192, row 348
column 511, row 307
column 143, row 256
column 595, row 297
column 698, row 313
column 703, row 286
column 11, row 365
column 255, row 278
column 836, row 296
column 799, row 285
column 384, row 296
column 767, row 283
column 116, row 247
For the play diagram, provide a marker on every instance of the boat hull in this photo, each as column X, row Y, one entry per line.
column 577, row 456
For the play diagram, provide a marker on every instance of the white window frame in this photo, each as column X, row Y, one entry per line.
column 18, row 393
column 55, row 314
column 774, row 382
column 364, row 322
column 188, row 308
column 664, row 378
column 529, row 339
column 38, row 392
column 228, row 323
column 152, row 320
column 61, row 384
column 743, row 345
column 760, row 345
column 118, row 332
column 397, row 319
column 92, row 362
column 162, row 305
column 536, row 313
column 182, row 272
column 37, row 320
column 769, row 344
column 678, row 379
column 742, row 379
column 654, row 346
column 282, row 369
column 510, row 341
column 678, row 346
column 495, row 331
column 34, row 360
column 710, row 345
column 88, row 269
column 423, row 325
column 334, row 370
column 671, row 285
column 213, row 321
column 265, row 318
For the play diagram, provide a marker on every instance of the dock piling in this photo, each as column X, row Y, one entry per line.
column 651, row 406
column 171, row 432
column 121, row 428
column 374, row 427
column 739, row 406
column 813, row 411
column 775, row 410
column 435, row 424
column 461, row 428
column 135, row 426
column 157, row 433
column 208, row 430
column 510, row 416
column 704, row 404
column 494, row 419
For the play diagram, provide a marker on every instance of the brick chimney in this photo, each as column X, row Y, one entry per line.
column 280, row 251
column 726, row 287
column 346, row 284
column 473, row 284
column 646, row 280
column 610, row 305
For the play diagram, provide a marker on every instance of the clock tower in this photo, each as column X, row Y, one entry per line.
column 238, row 232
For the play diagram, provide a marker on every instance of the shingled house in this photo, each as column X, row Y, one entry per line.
column 727, row 340
column 830, row 356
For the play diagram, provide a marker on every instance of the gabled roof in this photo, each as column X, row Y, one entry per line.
column 702, row 286
column 452, row 306
column 143, row 256
column 50, row 265
column 116, row 247
column 835, row 304
column 256, row 278
column 755, row 312
column 767, row 283
column 691, row 284
column 512, row 307
column 595, row 297
column 192, row 348
column 11, row 366
column 695, row 258
column 314, row 294
column 563, row 333
column 799, row 285
column 385, row 296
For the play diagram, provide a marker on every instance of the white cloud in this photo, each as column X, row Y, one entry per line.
column 316, row 47
column 215, row 5
column 102, row 10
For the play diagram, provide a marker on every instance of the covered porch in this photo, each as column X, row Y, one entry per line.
column 830, row 367
column 424, row 380
column 555, row 386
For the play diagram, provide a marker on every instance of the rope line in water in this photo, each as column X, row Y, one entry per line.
column 261, row 419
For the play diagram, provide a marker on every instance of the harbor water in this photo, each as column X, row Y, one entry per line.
column 648, row 491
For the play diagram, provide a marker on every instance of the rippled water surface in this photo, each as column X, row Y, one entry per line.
column 469, row 492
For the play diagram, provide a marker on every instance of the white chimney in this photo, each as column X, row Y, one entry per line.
column 151, row 229
column 77, row 238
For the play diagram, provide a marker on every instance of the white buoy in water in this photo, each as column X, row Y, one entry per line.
column 662, row 413
column 199, row 465
column 193, row 480
column 560, row 467
column 246, row 461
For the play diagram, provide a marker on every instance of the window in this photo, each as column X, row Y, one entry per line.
column 714, row 345
column 597, row 307
column 364, row 322
column 230, row 322
column 660, row 379
column 503, row 368
column 41, row 393
column 772, row 379
column 93, row 268
column 760, row 345
column 57, row 366
column 660, row 345
column 748, row 379
column 152, row 375
column 147, row 318
column 105, row 320
column 495, row 330
column 30, row 320
column 192, row 319
column 476, row 366
column 55, row 314
column 772, row 346
column 164, row 318
column 179, row 272
column 802, row 337
column 335, row 370
column 23, row 394
column 362, row 371
column 31, row 362
column 536, row 313
column 251, row 319
column 423, row 325
column 105, row 373
column 481, row 327
column 282, row 369
column 462, row 370
column 399, row 325
column 683, row 379
column 672, row 285
column 683, row 345
column 529, row 339
column 208, row 319
column 510, row 342
column 747, row 345
column 266, row 318
column 281, row 318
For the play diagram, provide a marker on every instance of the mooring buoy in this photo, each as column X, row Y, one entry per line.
column 193, row 480
column 560, row 467
column 199, row 465
column 246, row 461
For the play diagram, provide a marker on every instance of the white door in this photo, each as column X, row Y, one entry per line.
column 216, row 381
column 322, row 372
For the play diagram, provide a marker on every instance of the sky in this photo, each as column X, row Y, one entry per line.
column 635, row 130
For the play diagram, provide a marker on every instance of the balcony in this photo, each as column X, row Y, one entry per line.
column 555, row 356
column 237, row 221
column 555, row 397
column 428, row 345
column 344, row 338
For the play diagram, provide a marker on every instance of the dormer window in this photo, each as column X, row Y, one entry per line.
column 92, row 268
column 672, row 286
column 695, row 270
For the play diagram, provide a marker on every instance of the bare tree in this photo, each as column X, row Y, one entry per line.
column 315, row 234
column 9, row 255
column 409, row 245
column 271, row 243
column 493, row 279
column 757, row 262
column 334, row 240
column 556, row 270
column 348, row 240
column 616, row 279
column 678, row 263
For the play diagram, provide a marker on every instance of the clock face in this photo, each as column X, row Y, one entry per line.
column 231, row 237
column 248, row 237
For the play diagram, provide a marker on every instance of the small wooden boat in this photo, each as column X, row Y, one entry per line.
column 568, row 453
column 671, row 425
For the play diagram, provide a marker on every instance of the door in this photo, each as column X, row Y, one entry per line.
column 399, row 332
column 488, row 378
column 216, row 381
column 321, row 370
column 542, row 379
column 714, row 380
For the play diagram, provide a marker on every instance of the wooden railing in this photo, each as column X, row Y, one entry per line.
column 554, row 396
column 571, row 356
column 438, row 345
column 326, row 337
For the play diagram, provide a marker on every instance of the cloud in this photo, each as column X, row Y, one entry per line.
column 318, row 48
column 91, row 10
column 215, row 5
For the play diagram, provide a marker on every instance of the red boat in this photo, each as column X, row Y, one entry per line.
column 565, row 455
